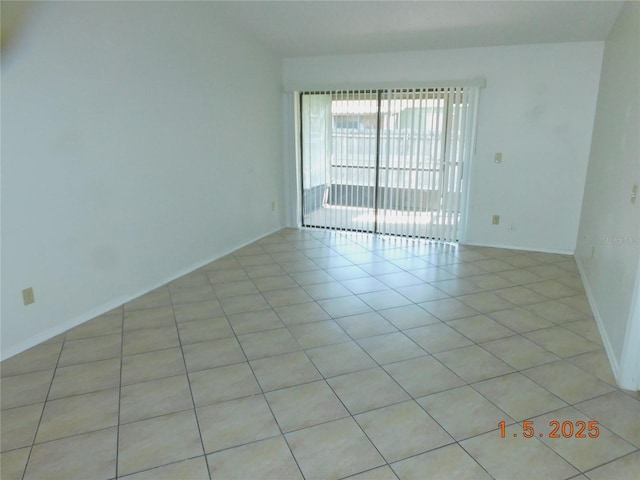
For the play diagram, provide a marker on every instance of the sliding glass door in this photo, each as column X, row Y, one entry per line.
column 386, row 161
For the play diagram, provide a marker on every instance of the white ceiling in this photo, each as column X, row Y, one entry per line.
column 308, row 28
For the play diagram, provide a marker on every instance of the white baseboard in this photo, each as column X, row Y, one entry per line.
column 520, row 247
column 615, row 366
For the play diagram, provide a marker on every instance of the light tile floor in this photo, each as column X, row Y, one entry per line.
column 316, row 354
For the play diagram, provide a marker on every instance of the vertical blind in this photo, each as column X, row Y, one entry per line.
column 387, row 161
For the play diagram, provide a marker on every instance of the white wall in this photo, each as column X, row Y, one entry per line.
column 537, row 109
column 610, row 223
column 139, row 141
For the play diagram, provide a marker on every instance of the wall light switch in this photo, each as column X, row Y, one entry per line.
column 495, row 220
column 498, row 157
column 634, row 194
column 27, row 296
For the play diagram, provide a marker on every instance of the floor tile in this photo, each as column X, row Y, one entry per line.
column 508, row 458
column 463, row 412
column 379, row 473
column 244, row 303
column 268, row 344
column 567, row 381
column 152, row 399
column 556, row 312
column 618, row 412
column 203, row 330
column 333, row 450
column 492, row 265
column 19, row 426
column 102, row 325
column 151, row 365
column 149, row 339
column 519, row 277
column 596, row 363
column 289, row 296
column 423, row 375
column 145, row 444
column 456, row 287
column 340, row 273
column 226, row 275
column 269, row 458
column 546, row 271
column 561, row 341
column 223, row 383
column 200, row 293
column 344, row 306
column 520, row 320
column 236, row 422
column 40, row 357
column 381, row 268
column 148, row 318
column 521, row 261
column 365, row 325
column 358, row 286
column 463, row 269
column 448, row 309
column 284, row 371
column 625, row 467
column 367, row 389
column 318, row 334
column 85, row 378
column 486, row 302
column 305, row 405
column 222, row 335
column 91, row 349
column 437, row 338
column 519, row 397
column 492, row 281
column 519, row 352
column 402, row 430
column 408, row 316
column 217, row 353
column 192, row 469
column 303, row 313
column 480, row 328
column 552, row 289
column 66, row 458
column 233, row 289
column 339, row 359
column 324, row 291
column 13, row 463
column 583, row 453
column 313, row 277
column 384, row 299
column 585, row 328
column 447, row 462
column 391, row 347
column 252, row 322
column 79, row 414
column 25, row 389
column 520, row 295
column 578, row 302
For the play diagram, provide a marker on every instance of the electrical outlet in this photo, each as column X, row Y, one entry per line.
column 634, row 193
column 495, row 220
column 27, row 296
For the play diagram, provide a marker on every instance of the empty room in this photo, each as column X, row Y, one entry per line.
column 320, row 240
